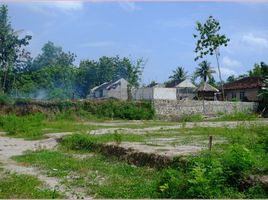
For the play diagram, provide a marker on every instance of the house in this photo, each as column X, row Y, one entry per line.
column 244, row 89
column 186, row 90
column 207, row 92
column 117, row 89
column 158, row 92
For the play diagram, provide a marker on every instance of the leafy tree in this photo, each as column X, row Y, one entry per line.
column 230, row 79
column 12, row 53
column 92, row 73
column 259, row 70
column 204, row 71
column 209, row 41
column 52, row 55
column 212, row 81
column 179, row 75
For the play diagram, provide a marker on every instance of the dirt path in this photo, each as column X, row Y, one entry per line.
column 14, row 146
column 228, row 124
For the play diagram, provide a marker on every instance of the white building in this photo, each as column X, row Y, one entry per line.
column 113, row 89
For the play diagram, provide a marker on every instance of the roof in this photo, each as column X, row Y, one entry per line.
column 108, row 85
column 185, row 84
column 205, row 87
column 244, row 83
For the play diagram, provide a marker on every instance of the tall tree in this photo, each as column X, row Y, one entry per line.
column 52, row 55
column 230, row 79
column 259, row 70
column 12, row 52
column 179, row 74
column 92, row 73
column 204, row 71
column 209, row 41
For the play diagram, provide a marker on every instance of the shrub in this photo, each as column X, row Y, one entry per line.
column 5, row 99
column 191, row 118
column 78, row 142
column 238, row 116
column 120, row 109
column 209, row 175
column 22, row 126
column 237, row 161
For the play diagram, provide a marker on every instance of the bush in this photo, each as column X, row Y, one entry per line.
column 191, row 118
column 238, row 116
column 29, row 126
column 5, row 99
column 209, row 175
column 78, row 142
column 120, row 109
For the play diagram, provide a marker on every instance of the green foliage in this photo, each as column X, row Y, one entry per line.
column 191, row 118
column 209, row 39
column 208, row 175
column 5, row 99
column 26, row 126
column 12, row 53
column 179, row 75
column 78, row 142
column 120, row 109
column 93, row 73
column 238, row 116
column 117, row 138
column 204, row 71
column 259, row 70
column 14, row 186
column 102, row 177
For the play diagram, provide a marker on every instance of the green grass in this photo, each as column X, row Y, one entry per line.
column 237, row 116
column 102, row 177
column 14, row 186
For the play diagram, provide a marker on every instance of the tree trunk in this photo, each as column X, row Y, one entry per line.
column 217, row 58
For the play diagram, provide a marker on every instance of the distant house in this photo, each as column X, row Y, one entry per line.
column 244, row 89
column 186, row 90
column 207, row 92
column 117, row 89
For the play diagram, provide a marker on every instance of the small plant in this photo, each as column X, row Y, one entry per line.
column 117, row 138
column 191, row 118
column 78, row 142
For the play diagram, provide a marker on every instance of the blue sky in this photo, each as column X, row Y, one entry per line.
column 161, row 33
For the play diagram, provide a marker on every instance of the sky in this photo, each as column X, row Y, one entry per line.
column 159, row 32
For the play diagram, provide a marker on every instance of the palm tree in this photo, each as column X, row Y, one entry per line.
column 179, row 74
column 204, row 71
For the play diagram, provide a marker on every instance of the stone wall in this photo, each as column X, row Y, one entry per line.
column 170, row 108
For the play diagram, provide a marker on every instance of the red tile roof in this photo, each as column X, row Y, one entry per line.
column 244, row 83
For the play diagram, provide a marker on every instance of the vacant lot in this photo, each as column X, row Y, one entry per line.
column 75, row 157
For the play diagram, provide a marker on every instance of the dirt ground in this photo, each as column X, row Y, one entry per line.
column 164, row 146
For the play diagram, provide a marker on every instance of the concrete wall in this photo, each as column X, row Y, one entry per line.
column 178, row 108
column 154, row 93
column 142, row 93
column 120, row 92
column 165, row 93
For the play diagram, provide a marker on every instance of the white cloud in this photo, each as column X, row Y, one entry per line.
column 68, row 5
column 231, row 62
column 254, row 40
column 227, row 72
column 129, row 6
column 98, row 44
column 51, row 7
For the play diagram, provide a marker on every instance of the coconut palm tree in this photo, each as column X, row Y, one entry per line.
column 179, row 74
column 204, row 71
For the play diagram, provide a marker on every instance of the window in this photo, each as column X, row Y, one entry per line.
column 242, row 96
column 233, row 95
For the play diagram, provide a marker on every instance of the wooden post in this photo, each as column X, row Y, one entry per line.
column 210, row 143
